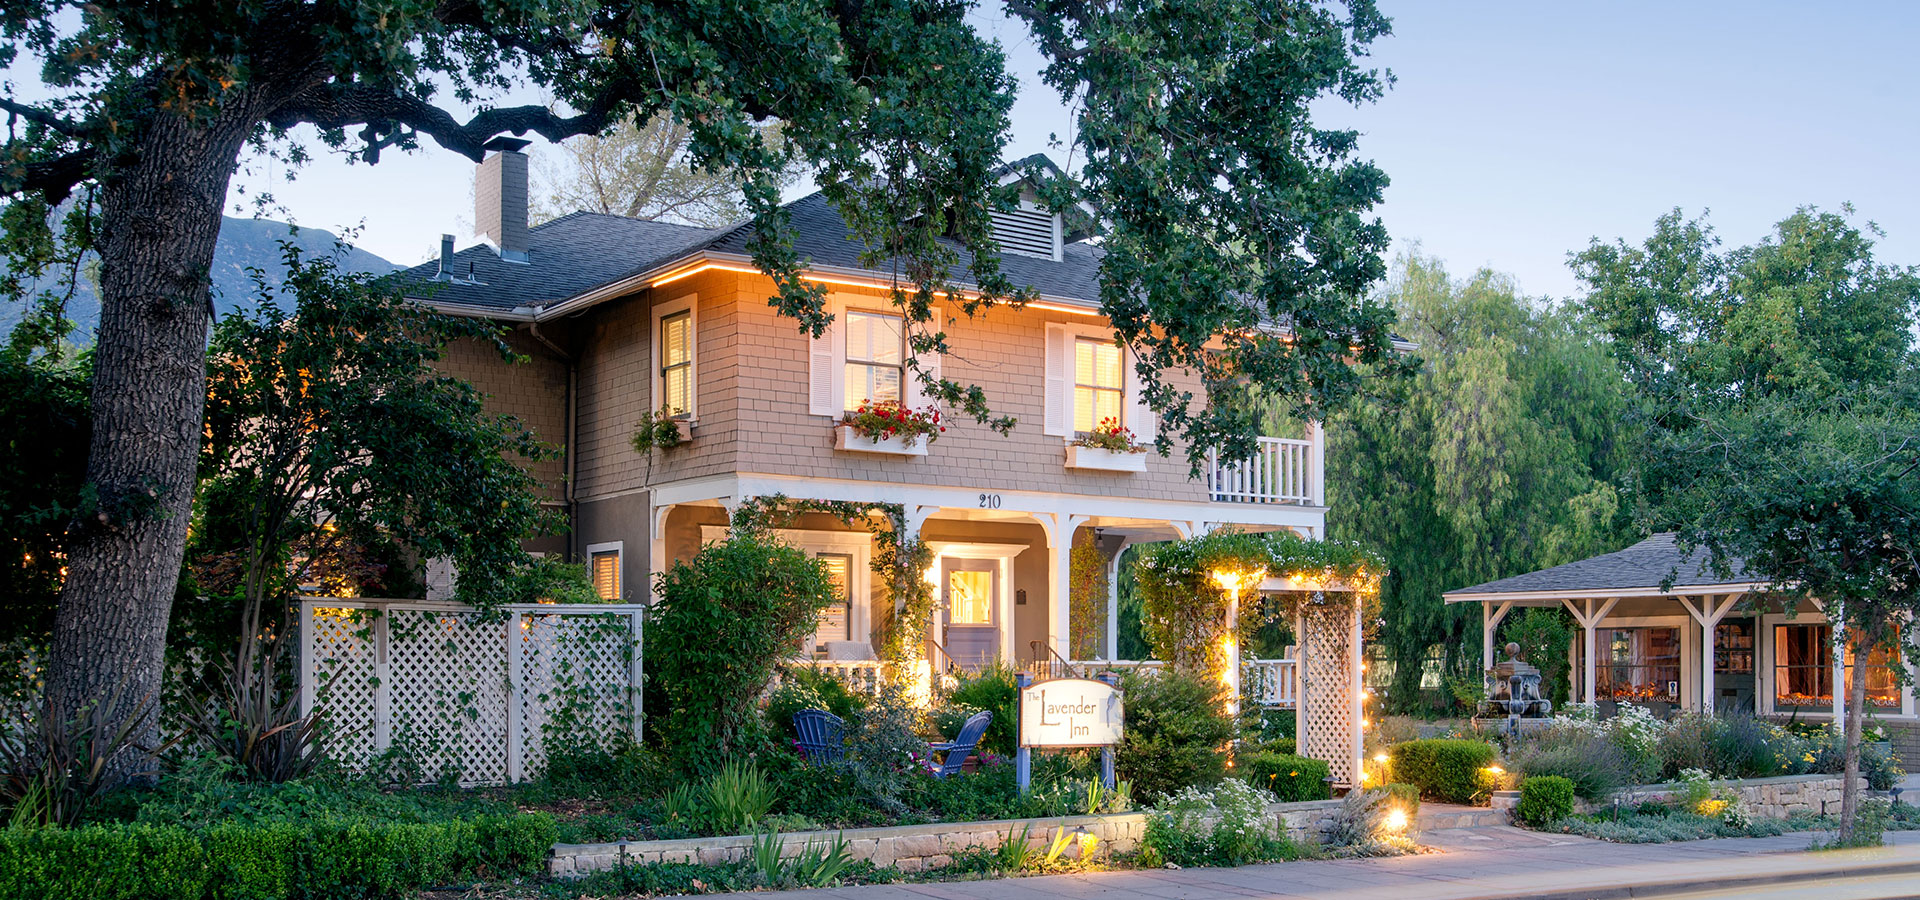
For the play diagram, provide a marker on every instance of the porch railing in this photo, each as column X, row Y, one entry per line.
column 861, row 676
column 1279, row 471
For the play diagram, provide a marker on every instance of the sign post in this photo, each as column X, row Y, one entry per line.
column 1069, row 713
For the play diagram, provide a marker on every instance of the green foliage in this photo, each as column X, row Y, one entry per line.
column 803, row 688
column 320, row 858
column 1288, row 778
column 657, row 430
column 1444, row 769
column 899, row 559
column 46, row 416
column 1087, row 600
column 1544, row 799
column 992, row 689
column 1544, row 636
column 1501, row 457
column 736, row 798
column 1185, row 609
column 1595, row 766
column 1369, row 823
column 721, row 623
column 1665, row 825
column 1176, row 736
column 1227, row 826
column 1406, row 796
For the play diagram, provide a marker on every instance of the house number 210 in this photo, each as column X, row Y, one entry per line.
column 989, row 501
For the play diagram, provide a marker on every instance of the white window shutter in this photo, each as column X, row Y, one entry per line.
column 929, row 363
column 1140, row 417
column 1059, row 380
column 824, row 369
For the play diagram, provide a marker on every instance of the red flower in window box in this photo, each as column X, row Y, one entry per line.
column 1111, row 436
column 886, row 419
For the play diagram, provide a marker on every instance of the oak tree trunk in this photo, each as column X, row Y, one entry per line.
column 161, row 213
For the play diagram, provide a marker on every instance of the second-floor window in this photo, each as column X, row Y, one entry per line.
column 876, row 357
column 1098, row 390
column 676, row 362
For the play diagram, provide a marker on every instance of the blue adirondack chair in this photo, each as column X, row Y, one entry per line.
column 823, row 735
column 961, row 747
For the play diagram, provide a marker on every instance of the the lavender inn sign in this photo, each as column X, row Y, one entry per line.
column 1071, row 712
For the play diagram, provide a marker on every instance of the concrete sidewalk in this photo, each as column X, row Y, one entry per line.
column 1472, row 863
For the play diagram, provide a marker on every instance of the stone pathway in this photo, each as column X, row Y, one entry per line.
column 1484, row 862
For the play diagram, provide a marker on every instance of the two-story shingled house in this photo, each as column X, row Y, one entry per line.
column 620, row 317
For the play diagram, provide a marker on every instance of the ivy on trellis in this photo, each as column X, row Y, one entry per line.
column 1184, row 610
column 899, row 560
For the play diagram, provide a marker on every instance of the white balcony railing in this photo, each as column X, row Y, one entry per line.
column 861, row 676
column 1281, row 470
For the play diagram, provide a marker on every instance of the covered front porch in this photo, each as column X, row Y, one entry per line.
column 1659, row 628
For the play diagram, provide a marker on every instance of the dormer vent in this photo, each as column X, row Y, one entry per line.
column 1028, row 231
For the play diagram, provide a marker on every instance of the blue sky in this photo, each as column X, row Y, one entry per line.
column 1516, row 131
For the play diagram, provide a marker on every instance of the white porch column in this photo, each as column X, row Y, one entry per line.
column 1317, row 479
column 1060, row 606
column 1489, row 620
column 1708, row 614
column 656, row 544
column 1113, row 599
column 1589, row 618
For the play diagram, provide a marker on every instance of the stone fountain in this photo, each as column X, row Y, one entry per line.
column 1513, row 702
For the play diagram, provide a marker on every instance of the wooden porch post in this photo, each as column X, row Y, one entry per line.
column 1708, row 614
column 1490, row 619
column 1589, row 618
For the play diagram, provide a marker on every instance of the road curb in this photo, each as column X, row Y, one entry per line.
column 1692, row 885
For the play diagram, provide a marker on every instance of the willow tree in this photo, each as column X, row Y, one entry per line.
column 1500, row 457
column 1225, row 206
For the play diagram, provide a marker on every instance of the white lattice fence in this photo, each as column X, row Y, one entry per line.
column 429, row 690
column 1329, row 684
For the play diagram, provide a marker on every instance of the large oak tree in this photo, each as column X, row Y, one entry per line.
column 1227, row 210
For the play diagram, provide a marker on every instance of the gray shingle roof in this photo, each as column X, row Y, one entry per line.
column 566, row 256
column 1642, row 566
column 581, row 251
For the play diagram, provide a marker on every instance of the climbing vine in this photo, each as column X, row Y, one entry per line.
column 1087, row 600
column 1184, row 609
column 899, row 560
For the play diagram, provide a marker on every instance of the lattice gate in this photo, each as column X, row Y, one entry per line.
column 422, row 691
column 1329, row 725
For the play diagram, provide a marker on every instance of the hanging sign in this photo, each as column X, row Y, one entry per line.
column 1071, row 712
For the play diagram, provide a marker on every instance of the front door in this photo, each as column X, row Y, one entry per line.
column 970, row 590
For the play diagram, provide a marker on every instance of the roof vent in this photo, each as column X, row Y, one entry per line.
column 446, row 259
column 1028, row 232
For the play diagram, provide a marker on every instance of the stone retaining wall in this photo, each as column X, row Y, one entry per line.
column 1769, row 798
column 912, row 848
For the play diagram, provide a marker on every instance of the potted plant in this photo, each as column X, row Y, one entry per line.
column 1110, row 447
column 888, row 426
column 663, row 429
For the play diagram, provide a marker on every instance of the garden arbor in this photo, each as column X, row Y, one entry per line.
column 1198, row 598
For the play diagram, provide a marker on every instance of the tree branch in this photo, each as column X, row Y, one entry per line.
column 388, row 117
column 43, row 117
column 53, row 179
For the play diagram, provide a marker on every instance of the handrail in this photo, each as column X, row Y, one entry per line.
column 1057, row 661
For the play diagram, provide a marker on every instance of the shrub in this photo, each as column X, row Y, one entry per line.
column 1740, row 746
column 1444, row 769
column 994, row 690
column 885, row 752
column 1544, row 799
column 1289, row 778
column 736, row 798
column 1224, row 827
column 326, row 858
column 1596, row 766
column 1176, row 732
column 721, row 623
column 1370, row 823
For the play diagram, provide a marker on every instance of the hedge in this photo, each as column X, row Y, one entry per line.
column 1290, row 778
column 1447, row 770
column 1544, row 799
column 336, row 858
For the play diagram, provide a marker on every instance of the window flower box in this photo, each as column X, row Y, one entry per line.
column 663, row 431
column 1109, row 447
column 888, row 426
column 846, row 438
column 1106, row 460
